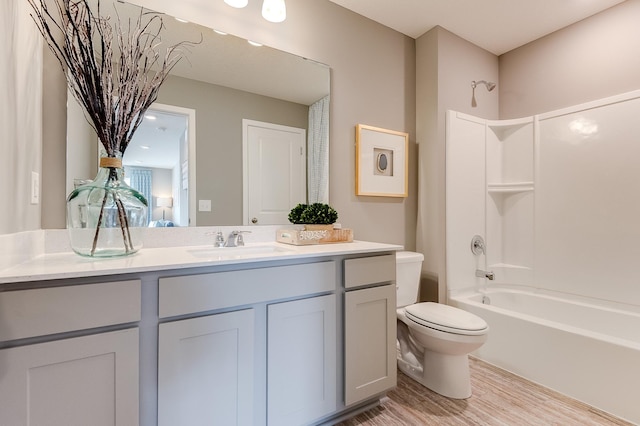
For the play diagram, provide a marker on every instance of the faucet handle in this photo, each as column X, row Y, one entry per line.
column 477, row 245
column 219, row 242
column 235, row 239
column 239, row 238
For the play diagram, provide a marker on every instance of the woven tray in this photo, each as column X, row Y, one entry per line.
column 301, row 237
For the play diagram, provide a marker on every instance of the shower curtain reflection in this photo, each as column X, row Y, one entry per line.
column 141, row 180
column 318, row 152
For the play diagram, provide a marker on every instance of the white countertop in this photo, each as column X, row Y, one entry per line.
column 53, row 266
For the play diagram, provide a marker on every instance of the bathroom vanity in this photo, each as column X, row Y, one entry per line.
column 268, row 334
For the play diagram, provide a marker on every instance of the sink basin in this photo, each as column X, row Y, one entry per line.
column 237, row 252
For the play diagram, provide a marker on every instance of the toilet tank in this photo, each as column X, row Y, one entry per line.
column 408, row 267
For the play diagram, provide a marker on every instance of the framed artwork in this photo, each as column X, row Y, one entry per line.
column 381, row 162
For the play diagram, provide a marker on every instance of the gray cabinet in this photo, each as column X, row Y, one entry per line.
column 249, row 344
column 242, row 359
column 205, row 370
column 301, row 360
column 369, row 327
column 49, row 377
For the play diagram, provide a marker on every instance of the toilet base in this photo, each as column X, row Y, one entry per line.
column 447, row 375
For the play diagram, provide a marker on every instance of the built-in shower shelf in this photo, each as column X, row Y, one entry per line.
column 503, row 129
column 509, row 188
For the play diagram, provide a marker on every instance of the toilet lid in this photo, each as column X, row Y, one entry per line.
column 446, row 318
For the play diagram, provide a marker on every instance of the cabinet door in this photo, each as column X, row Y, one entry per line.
column 205, row 370
column 91, row 380
column 370, row 342
column 301, row 360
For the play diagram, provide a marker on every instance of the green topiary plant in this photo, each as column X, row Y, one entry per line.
column 316, row 214
column 296, row 213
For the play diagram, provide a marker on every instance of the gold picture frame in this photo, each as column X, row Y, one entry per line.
column 382, row 162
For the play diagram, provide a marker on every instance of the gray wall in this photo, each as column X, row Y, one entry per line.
column 592, row 59
column 372, row 82
column 219, row 114
column 446, row 66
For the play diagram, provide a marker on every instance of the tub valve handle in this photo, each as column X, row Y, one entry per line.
column 477, row 245
column 485, row 274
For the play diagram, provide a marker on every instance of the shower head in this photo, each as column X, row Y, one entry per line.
column 488, row 84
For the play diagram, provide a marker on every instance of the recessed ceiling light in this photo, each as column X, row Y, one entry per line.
column 150, row 117
column 254, row 43
column 145, row 147
column 219, row 32
column 184, row 21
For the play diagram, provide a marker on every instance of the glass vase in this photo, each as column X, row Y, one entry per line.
column 106, row 217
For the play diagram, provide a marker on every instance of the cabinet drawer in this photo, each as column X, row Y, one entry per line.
column 369, row 270
column 218, row 290
column 42, row 311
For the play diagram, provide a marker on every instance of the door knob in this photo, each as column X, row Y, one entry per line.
column 254, row 220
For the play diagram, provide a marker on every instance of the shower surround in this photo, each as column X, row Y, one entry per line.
column 557, row 199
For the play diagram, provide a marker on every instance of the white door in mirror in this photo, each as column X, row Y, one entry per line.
column 274, row 173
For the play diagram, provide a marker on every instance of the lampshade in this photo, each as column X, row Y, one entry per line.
column 274, row 10
column 237, row 3
column 164, row 202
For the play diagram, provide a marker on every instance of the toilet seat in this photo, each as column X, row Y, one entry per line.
column 446, row 318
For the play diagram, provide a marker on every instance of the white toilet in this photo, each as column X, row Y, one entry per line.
column 434, row 340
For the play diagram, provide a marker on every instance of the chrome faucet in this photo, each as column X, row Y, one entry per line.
column 235, row 239
column 485, row 274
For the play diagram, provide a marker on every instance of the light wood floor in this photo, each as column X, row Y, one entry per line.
column 499, row 398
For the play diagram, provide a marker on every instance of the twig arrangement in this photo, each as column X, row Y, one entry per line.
column 114, row 71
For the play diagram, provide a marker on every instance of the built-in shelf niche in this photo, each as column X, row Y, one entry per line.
column 510, row 199
column 509, row 188
column 509, row 151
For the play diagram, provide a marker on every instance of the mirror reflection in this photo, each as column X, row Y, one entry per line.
column 230, row 115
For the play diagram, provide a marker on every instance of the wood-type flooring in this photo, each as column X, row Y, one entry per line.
column 499, row 399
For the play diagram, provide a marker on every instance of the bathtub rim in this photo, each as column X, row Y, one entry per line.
column 468, row 297
column 574, row 298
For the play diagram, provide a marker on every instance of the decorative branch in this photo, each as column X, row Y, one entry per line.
column 114, row 98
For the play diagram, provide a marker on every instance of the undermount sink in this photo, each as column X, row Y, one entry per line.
column 234, row 252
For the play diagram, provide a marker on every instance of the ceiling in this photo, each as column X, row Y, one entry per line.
column 156, row 142
column 494, row 25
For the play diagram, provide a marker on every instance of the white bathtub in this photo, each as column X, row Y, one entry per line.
column 585, row 351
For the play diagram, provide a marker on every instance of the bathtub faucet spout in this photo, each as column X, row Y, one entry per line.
column 485, row 274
